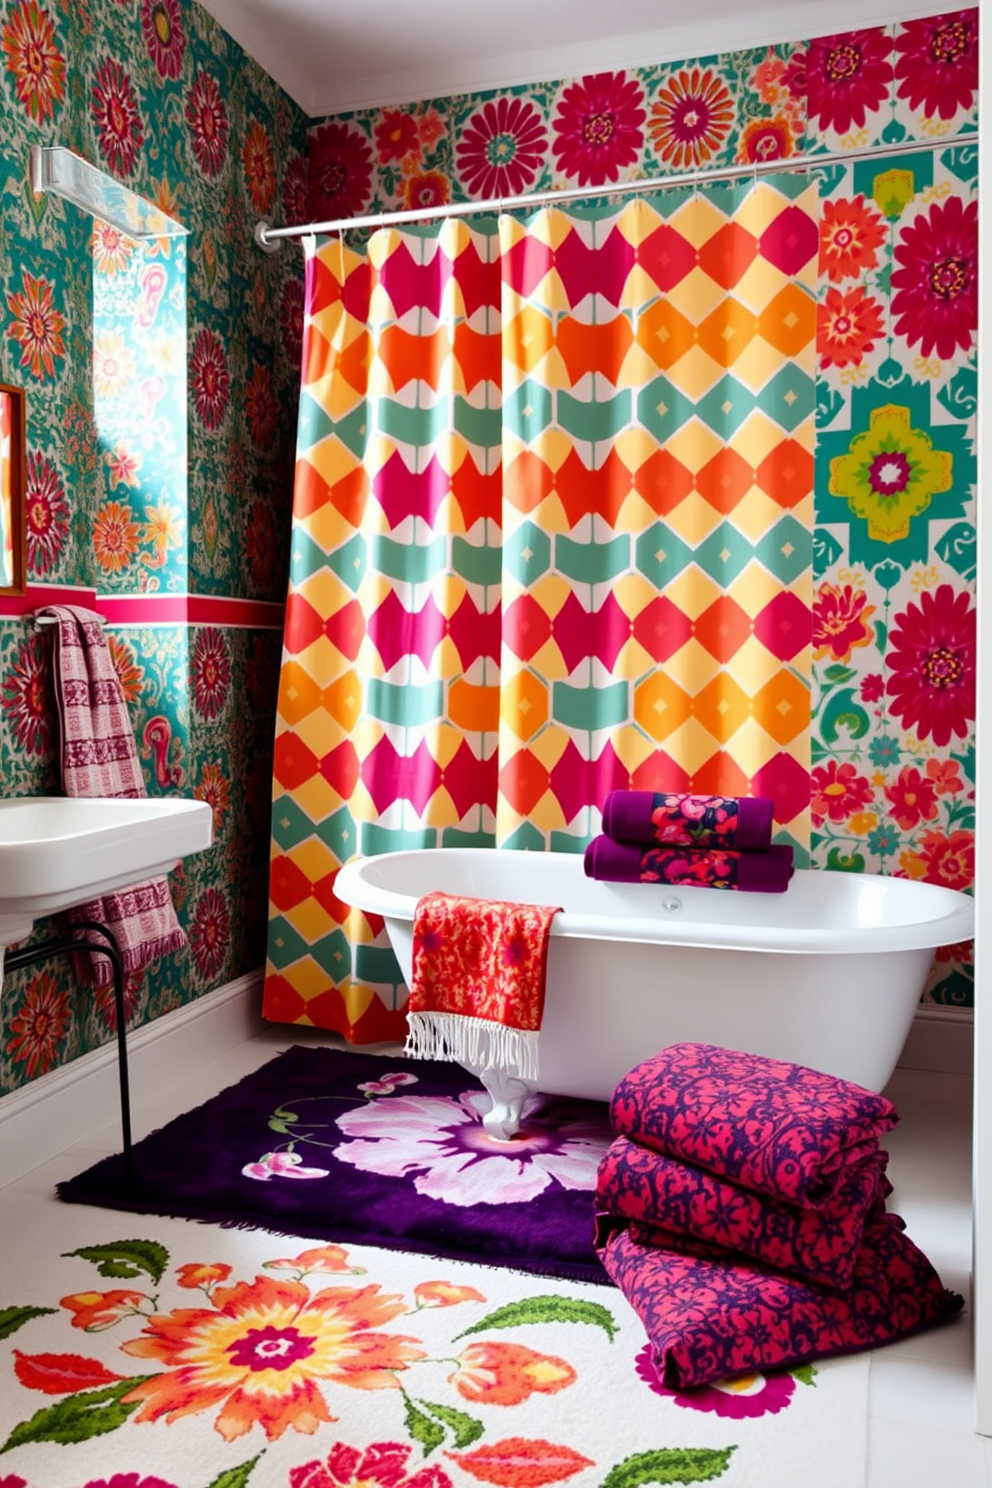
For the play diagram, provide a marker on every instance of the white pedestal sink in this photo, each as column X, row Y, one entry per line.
column 57, row 851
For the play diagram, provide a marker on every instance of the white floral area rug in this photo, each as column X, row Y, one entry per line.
column 156, row 1353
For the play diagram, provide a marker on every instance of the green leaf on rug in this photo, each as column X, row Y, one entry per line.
column 546, row 1310
column 236, row 1477
column 805, row 1374
column 670, row 1465
column 12, row 1318
column 126, row 1258
column 79, row 1417
column 466, row 1428
column 423, row 1430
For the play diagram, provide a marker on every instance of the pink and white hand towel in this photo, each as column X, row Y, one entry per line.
column 99, row 758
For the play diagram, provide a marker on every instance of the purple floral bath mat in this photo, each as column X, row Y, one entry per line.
column 354, row 1147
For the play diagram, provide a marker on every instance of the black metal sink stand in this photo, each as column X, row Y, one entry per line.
column 68, row 944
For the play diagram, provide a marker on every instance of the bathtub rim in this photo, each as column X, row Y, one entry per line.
column 354, row 886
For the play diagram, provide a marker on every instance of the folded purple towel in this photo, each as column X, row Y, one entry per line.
column 678, row 1206
column 688, row 821
column 765, row 872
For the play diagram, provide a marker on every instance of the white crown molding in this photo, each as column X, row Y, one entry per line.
column 792, row 20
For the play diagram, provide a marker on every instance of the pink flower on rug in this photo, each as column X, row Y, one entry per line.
column 281, row 1165
column 382, row 1465
column 388, row 1083
column 442, row 1145
column 748, row 1395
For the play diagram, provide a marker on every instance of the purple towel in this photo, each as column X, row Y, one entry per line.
column 777, row 1128
column 765, row 872
column 679, row 1207
column 688, row 821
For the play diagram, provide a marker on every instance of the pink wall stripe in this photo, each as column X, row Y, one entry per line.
column 151, row 609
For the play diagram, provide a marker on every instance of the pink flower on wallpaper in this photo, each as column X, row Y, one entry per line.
column 948, row 858
column 294, row 190
column 502, row 148
column 36, row 325
column 912, row 798
column 114, row 106
column 210, row 933
column 599, row 127
column 847, row 78
column 24, row 700
column 837, row 792
column 209, row 379
column 396, row 136
column 208, row 127
column 738, row 1399
column 162, row 27
column 848, row 324
column 259, row 166
column 46, row 514
column 691, row 118
column 442, row 1145
column 932, row 666
column 937, row 65
column 211, row 672
column 840, row 621
column 340, row 171
column 935, row 299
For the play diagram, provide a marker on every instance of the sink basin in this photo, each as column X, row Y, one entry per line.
column 57, row 851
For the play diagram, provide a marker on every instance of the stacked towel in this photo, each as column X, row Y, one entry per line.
column 716, row 842
column 741, row 1210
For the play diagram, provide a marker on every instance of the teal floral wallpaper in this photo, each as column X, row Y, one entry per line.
column 893, row 625
column 162, row 383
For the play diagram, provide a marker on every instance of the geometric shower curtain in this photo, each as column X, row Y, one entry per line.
column 552, row 536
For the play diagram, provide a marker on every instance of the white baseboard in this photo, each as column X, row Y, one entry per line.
column 41, row 1119
column 942, row 1039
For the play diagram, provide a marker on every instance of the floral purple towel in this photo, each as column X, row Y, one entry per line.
column 672, row 820
column 766, row 872
column 666, row 1202
column 713, row 1319
column 777, row 1128
column 99, row 758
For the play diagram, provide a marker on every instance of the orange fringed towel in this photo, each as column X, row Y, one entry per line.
column 477, row 992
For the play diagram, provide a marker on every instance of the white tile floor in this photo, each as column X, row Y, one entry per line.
column 921, row 1408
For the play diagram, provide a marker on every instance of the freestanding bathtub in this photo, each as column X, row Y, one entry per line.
column 828, row 974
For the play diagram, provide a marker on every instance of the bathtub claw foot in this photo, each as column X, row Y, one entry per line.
column 508, row 1094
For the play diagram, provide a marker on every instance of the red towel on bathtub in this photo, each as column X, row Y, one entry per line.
column 777, row 1128
column 676, row 1205
column 99, row 758
column 710, row 1319
column 477, row 990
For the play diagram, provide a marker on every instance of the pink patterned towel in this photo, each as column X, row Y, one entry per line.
column 710, row 1320
column 679, row 1207
column 778, row 1128
column 99, row 758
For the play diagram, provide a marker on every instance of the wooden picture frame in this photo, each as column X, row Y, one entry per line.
column 13, row 490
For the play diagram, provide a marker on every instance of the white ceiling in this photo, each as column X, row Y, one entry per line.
column 332, row 56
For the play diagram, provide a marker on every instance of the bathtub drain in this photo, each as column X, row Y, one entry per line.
column 673, row 905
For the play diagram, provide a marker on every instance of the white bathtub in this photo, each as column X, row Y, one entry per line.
column 828, row 974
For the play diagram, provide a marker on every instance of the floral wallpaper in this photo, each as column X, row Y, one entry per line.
column 892, row 731
column 162, row 382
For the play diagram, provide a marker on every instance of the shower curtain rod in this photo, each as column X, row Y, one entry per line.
column 269, row 239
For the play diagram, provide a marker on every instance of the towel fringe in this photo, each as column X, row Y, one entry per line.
column 476, row 1042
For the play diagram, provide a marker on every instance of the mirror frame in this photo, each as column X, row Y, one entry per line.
column 18, row 488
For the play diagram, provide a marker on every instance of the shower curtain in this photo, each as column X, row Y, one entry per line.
column 551, row 537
